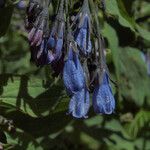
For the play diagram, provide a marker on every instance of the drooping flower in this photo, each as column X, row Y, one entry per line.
column 103, row 99
column 82, row 36
column 73, row 75
column 82, row 33
column 79, row 104
column 40, row 55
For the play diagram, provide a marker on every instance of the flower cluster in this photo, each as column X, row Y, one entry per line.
column 74, row 81
column 72, row 55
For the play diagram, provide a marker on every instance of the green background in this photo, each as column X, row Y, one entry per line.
column 37, row 103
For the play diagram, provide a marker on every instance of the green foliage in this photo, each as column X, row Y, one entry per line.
column 141, row 119
column 37, row 103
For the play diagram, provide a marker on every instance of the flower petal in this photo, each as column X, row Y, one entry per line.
column 73, row 75
column 103, row 99
column 79, row 104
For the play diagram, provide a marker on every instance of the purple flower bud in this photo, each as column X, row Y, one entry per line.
column 31, row 34
column 73, row 74
column 37, row 21
column 103, row 99
column 37, row 39
column 79, row 104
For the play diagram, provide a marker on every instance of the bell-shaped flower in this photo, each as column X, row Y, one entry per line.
column 82, row 34
column 79, row 104
column 73, row 75
column 103, row 99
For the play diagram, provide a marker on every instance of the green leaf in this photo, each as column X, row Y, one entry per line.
column 110, row 32
column 140, row 120
column 23, row 140
column 144, row 33
column 30, row 97
column 133, row 75
column 115, row 8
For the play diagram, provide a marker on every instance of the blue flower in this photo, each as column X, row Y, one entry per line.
column 55, row 41
column 103, row 99
column 79, row 104
column 40, row 55
column 73, row 75
column 82, row 35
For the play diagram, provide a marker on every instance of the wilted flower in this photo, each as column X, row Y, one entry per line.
column 40, row 55
column 79, row 104
column 73, row 74
column 103, row 99
column 37, row 22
